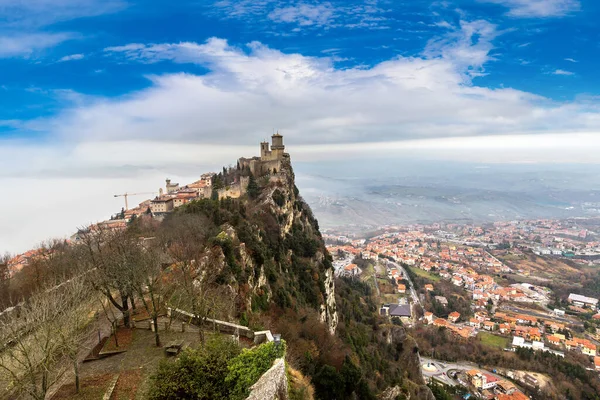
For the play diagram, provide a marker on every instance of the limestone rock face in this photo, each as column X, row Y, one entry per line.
column 391, row 393
column 272, row 385
column 295, row 217
column 328, row 310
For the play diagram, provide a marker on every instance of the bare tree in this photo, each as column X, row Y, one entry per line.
column 152, row 284
column 185, row 239
column 109, row 257
column 47, row 330
column 4, row 281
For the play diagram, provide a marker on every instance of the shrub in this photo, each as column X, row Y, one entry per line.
column 278, row 197
column 253, row 189
column 248, row 367
column 195, row 374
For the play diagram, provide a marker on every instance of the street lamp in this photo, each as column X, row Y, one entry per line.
column 277, row 340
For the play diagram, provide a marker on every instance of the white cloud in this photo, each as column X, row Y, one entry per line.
column 304, row 14
column 22, row 22
column 71, row 57
column 467, row 47
column 562, row 72
column 444, row 24
column 538, row 8
column 250, row 90
column 24, row 45
column 571, row 60
column 31, row 14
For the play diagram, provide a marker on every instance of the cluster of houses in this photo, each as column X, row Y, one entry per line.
column 463, row 330
column 416, row 243
column 397, row 276
column 471, row 268
column 20, row 261
column 493, row 388
column 531, row 332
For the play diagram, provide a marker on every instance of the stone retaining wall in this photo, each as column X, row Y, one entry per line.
column 222, row 326
column 273, row 385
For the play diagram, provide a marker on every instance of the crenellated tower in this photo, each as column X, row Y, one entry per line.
column 277, row 147
column 265, row 153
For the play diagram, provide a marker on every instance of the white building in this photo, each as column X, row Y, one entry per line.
column 583, row 301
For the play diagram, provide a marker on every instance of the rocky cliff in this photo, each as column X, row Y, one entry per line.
column 303, row 246
column 271, row 256
column 270, row 249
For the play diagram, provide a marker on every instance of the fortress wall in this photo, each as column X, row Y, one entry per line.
column 234, row 191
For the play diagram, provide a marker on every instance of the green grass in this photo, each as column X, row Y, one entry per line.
column 367, row 273
column 425, row 274
column 492, row 340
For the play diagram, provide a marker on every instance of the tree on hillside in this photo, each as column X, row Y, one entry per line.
column 151, row 283
column 42, row 336
column 109, row 259
column 185, row 239
column 4, row 281
column 253, row 189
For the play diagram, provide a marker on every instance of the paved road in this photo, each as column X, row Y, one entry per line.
column 413, row 293
column 539, row 314
column 443, row 368
column 376, row 285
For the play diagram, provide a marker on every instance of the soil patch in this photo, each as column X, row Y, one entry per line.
column 92, row 388
column 124, row 338
column 127, row 385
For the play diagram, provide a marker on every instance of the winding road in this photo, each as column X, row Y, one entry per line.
column 413, row 292
column 443, row 368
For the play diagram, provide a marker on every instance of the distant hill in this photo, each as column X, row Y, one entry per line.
column 415, row 193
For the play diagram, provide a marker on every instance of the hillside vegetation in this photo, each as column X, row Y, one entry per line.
column 259, row 261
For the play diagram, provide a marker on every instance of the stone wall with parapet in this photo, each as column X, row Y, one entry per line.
column 222, row 326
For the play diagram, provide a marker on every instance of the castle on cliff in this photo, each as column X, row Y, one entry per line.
column 234, row 181
column 270, row 160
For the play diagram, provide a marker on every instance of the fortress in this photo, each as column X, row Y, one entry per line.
column 234, row 181
column 269, row 161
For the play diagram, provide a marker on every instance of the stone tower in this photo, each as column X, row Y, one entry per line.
column 277, row 146
column 265, row 153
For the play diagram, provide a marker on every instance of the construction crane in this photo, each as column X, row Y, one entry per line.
column 131, row 194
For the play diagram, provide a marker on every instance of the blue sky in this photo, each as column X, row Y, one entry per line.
column 100, row 96
column 54, row 53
